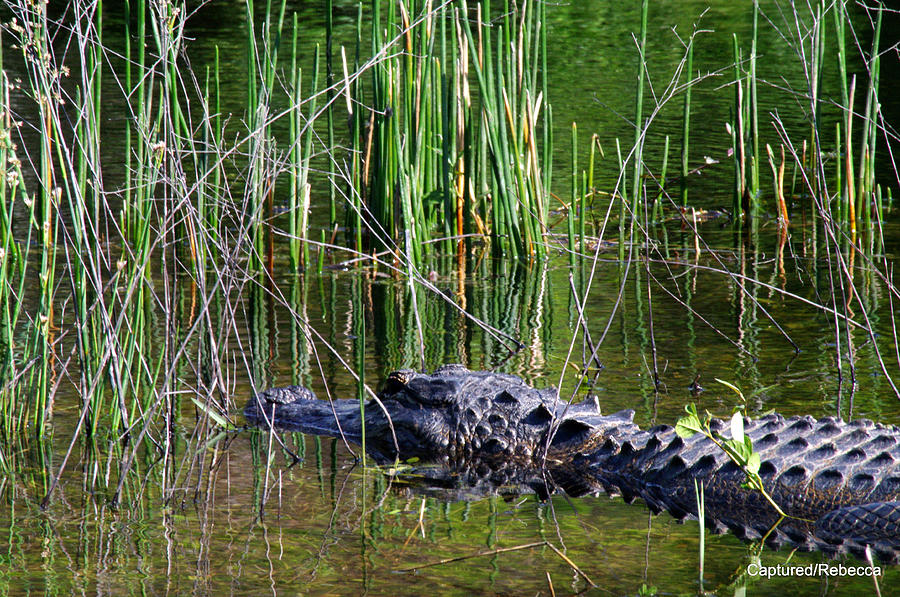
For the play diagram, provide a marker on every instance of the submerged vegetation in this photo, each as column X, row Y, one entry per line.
column 167, row 247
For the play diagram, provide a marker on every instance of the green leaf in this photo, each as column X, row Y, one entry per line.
column 738, row 450
column 212, row 414
column 753, row 463
column 688, row 426
column 737, row 427
column 733, row 387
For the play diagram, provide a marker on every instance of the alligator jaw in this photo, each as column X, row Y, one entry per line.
column 296, row 409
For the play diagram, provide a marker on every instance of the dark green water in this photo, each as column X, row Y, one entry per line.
column 331, row 527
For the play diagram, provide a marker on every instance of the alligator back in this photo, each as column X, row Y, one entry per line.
column 839, row 482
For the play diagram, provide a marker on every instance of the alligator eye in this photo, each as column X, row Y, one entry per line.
column 398, row 380
column 287, row 395
column 420, row 391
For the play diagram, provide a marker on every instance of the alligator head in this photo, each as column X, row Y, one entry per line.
column 452, row 415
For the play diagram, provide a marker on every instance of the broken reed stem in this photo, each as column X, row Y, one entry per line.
column 779, row 188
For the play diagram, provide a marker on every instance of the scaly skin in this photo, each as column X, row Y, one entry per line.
column 840, row 482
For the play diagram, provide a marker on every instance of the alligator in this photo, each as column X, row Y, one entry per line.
column 838, row 482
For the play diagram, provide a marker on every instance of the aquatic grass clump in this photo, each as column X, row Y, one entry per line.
column 94, row 256
column 823, row 204
column 301, row 153
column 14, row 265
column 435, row 155
column 843, row 198
column 512, row 102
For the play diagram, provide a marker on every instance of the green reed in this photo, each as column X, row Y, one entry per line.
column 421, row 101
column 637, row 165
column 330, row 86
column 359, row 352
column 582, row 210
column 866, row 191
column 144, row 165
column 136, row 163
column 839, row 14
column 737, row 138
column 301, row 150
column 816, row 63
column 14, row 265
column 573, row 205
column 701, row 524
column 43, row 221
column 8, row 263
column 857, row 132
column 590, row 188
column 623, row 200
column 753, row 111
column 745, row 130
column 686, row 125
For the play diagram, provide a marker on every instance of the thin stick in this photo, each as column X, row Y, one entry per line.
column 480, row 554
column 566, row 559
column 500, row 550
